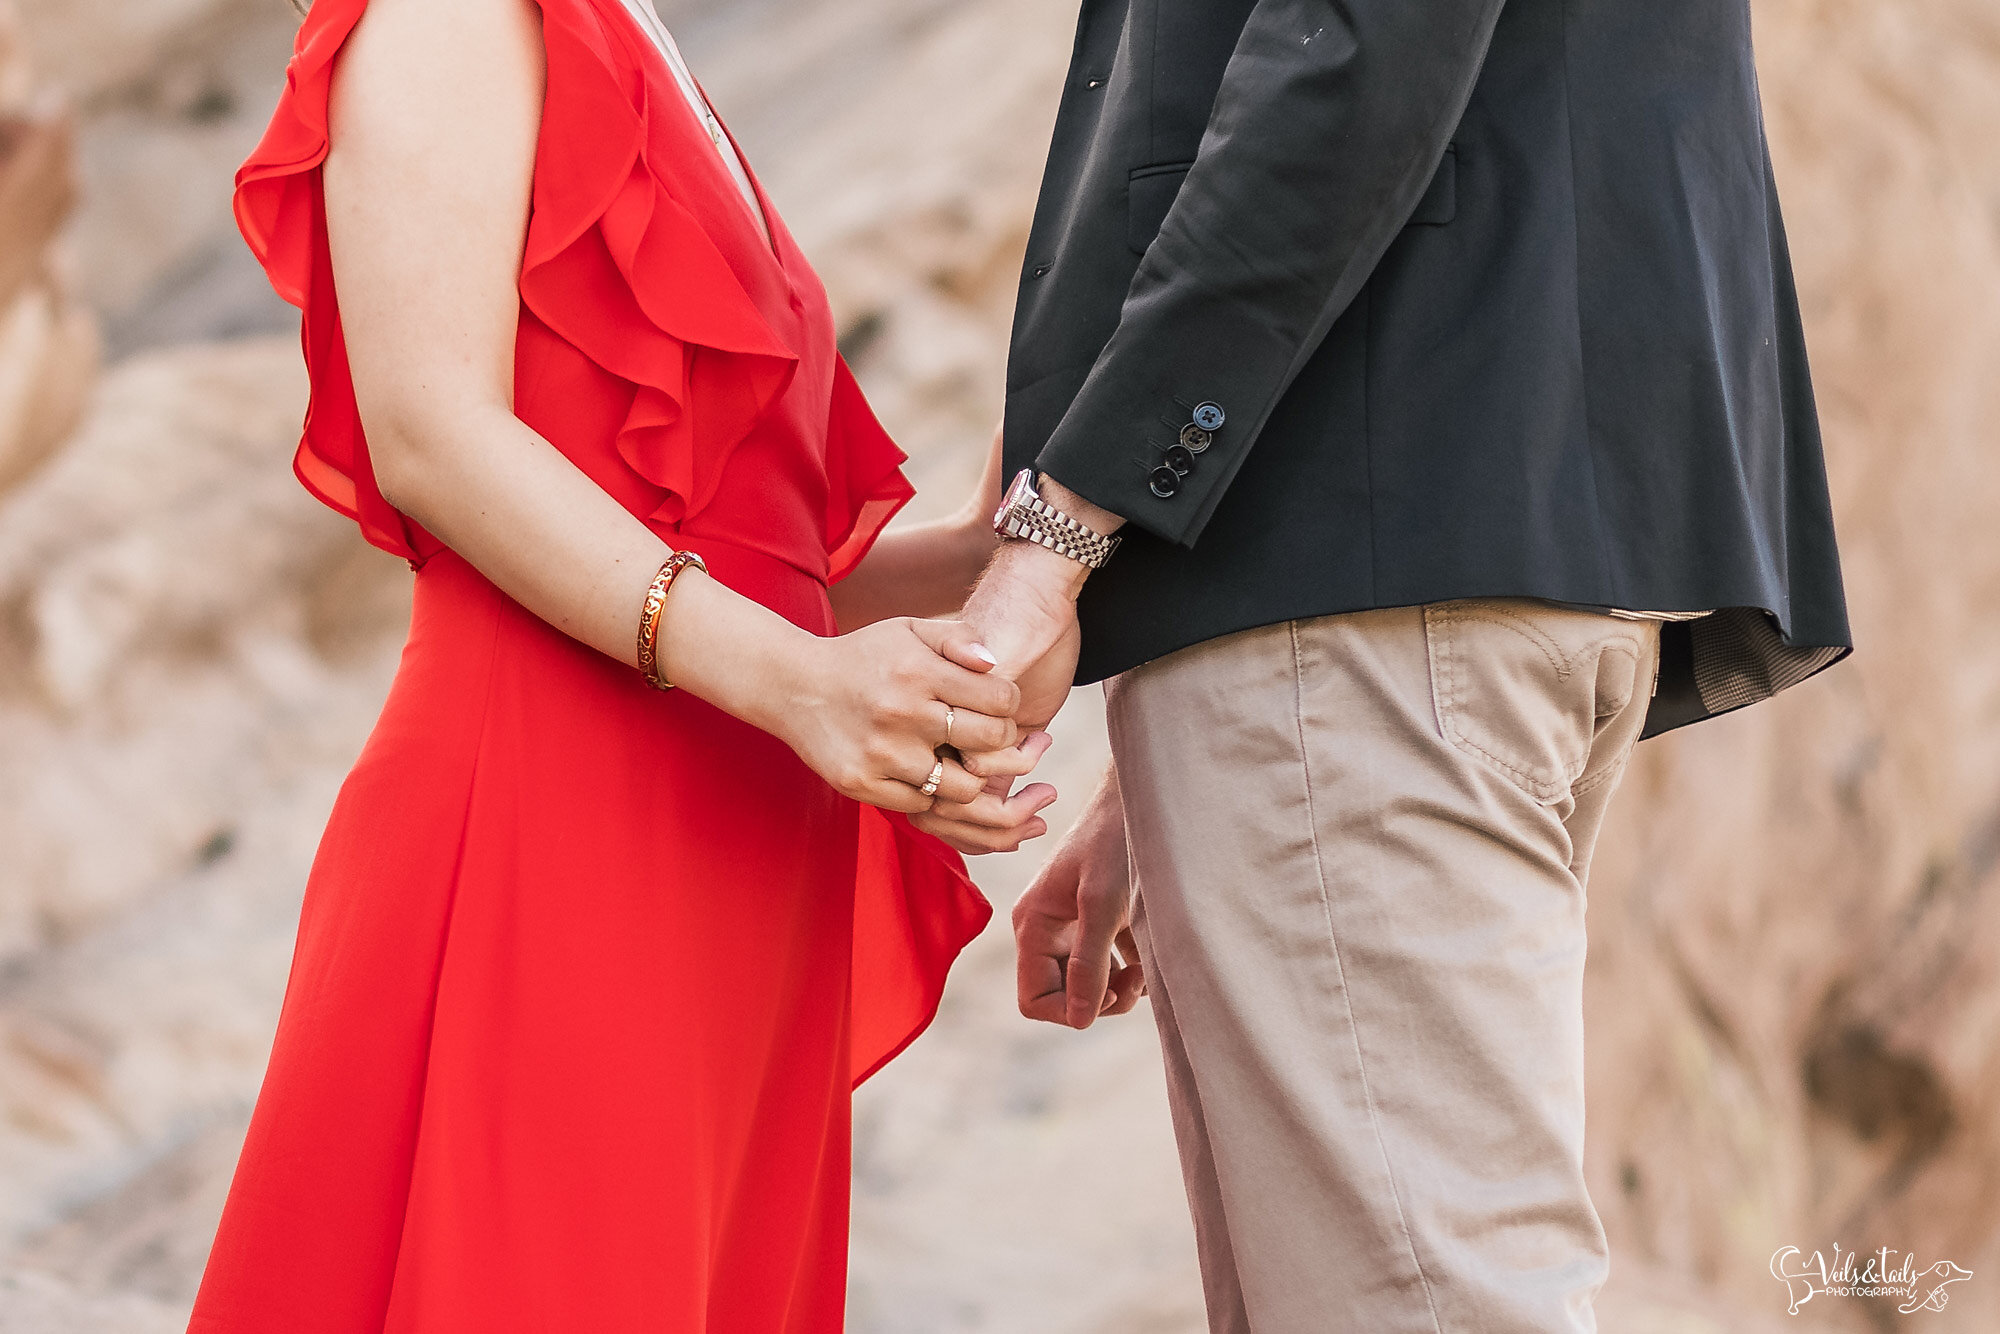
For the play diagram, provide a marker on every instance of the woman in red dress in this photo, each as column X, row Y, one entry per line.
column 587, row 969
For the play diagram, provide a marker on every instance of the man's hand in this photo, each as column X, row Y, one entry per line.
column 1066, row 925
column 1024, row 611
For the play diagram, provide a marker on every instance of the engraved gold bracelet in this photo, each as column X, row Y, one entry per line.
column 650, row 665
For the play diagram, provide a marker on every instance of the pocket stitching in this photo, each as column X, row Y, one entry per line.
column 1582, row 785
column 1626, row 645
column 1629, row 647
column 1558, row 661
column 1530, row 781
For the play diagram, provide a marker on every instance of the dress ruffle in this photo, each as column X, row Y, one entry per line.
column 914, row 910
column 280, row 211
column 864, row 476
column 618, row 267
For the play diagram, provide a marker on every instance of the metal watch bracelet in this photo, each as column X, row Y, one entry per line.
column 1025, row 515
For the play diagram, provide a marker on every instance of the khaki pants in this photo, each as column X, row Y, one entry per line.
column 1360, row 844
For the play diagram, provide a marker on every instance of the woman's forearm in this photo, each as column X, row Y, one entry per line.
column 924, row 570
column 554, row 541
column 865, row 711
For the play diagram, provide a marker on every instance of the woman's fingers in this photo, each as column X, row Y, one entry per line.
column 954, row 784
column 962, row 669
column 941, row 699
column 979, row 840
column 971, row 694
column 962, row 679
column 997, row 810
column 971, row 732
column 1010, row 761
column 993, row 820
column 955, row 641
column 893, row 794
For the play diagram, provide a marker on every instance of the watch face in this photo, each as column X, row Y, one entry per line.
column 1020, row 489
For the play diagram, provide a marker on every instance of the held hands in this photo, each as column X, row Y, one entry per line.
column 1024, row 608
column 1020, row 625
column 871, row 711
column 1008, row 665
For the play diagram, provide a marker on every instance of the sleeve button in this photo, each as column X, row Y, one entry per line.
column 1164, row 481
column 1209, row 416
column 1180, row 459
column 1195, row 439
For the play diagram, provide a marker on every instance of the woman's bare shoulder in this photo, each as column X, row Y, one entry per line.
column 412, row 68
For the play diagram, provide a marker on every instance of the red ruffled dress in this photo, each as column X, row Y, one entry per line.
column 585, row 972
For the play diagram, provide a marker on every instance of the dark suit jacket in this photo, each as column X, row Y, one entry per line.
column 1493, row 300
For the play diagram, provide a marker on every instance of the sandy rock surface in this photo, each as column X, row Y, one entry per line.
column 1792, row 996
column 48, row 340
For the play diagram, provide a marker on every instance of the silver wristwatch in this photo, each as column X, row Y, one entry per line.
column 1024, row 514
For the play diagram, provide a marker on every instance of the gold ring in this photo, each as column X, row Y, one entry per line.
column 930, row 787
column 950, row 717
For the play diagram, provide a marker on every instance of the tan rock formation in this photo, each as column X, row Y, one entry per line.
column 48, row 343
column 33, row 1303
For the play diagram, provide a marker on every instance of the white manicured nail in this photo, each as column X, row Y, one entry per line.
column 985, row 655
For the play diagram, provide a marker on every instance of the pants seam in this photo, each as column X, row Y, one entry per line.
column 1340, row 970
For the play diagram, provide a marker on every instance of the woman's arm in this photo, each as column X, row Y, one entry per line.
column 925, row 569
column 435, row 116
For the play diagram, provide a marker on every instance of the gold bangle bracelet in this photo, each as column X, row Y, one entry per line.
column 650, row 664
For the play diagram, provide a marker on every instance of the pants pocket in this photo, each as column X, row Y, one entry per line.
column 1525, row 687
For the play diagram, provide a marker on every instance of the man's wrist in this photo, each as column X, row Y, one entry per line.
column 1042, row 570
column 1024, row 602
column 1102, row 827
column 1028, row 513
column 1092, row 516
column 1028, row 565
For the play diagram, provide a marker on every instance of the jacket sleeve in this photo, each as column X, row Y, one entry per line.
column 1331, row 119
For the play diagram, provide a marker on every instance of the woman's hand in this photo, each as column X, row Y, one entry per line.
column 997, row 820
column 868, row 711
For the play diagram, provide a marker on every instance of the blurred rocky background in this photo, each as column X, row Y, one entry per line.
column 1795, row 986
